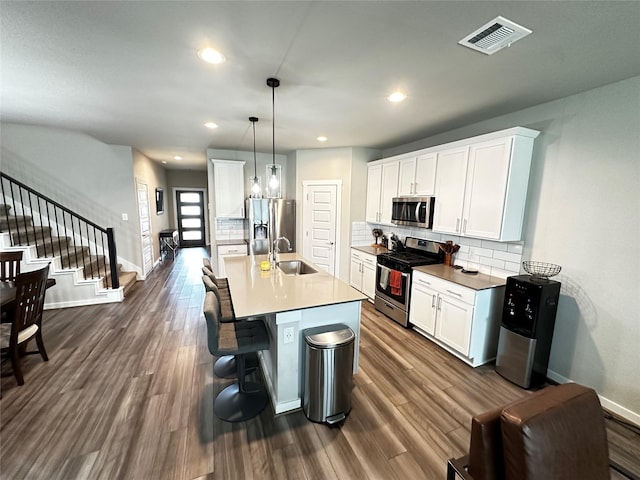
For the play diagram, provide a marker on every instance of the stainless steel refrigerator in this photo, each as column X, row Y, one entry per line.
column 269, row 220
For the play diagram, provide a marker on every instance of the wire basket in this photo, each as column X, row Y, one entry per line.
column 541, row 270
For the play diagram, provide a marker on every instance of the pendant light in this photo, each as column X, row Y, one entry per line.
column 255, row 180
column 273, row 171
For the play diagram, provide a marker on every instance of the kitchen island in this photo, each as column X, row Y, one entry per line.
column 290, row 304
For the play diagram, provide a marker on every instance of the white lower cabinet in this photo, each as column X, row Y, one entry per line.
column 239, row 250
column 463, row 321
column 363, row 272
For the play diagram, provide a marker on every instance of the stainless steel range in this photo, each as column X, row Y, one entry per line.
column 393, row 276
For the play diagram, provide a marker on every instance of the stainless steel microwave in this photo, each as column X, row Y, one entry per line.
column 413, row 211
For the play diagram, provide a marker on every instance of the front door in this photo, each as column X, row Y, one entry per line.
column 320, row 224
column 190, row 214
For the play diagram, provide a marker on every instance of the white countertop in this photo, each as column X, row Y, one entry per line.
column 255, row 292
column 478, row 281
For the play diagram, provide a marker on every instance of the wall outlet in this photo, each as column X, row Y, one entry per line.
column 288, row 335
column 125, row 217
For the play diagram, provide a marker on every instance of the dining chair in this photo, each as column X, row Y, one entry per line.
column 10, row 265
column 26, row 321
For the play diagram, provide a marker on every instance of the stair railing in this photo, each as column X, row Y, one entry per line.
column 66, row 223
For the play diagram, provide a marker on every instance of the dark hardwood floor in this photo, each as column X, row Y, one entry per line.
column 129, row 388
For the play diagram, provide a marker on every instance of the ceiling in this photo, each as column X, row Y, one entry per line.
column 127, row 73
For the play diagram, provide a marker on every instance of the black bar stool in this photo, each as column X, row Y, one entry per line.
column 225, row 366
column 242, row 400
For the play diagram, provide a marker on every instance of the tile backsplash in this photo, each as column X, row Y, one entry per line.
column 231, row 229
column 499, row 259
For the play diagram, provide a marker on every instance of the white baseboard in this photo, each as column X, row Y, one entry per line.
column 80, row 303
column 609, row 405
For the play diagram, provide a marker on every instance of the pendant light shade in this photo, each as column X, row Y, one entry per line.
column 256, row 188
column 273, row 171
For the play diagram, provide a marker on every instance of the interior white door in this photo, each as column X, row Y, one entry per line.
column 145, row 228
column 320, row 213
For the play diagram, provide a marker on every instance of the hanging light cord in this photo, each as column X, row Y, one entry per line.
column 253, row 121
column 273, row 122
column 273, row 83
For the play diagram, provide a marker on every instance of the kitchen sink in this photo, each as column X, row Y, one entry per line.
column 295, row 267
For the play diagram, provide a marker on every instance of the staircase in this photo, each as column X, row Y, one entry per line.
column 74, row 250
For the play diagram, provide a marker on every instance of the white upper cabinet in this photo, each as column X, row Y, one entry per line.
column 382, row 186
column 450, row 182
column 480, row 184
column 228, row 188
column 417, row 175
column 481, row 188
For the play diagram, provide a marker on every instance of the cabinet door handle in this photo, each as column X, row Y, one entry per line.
column 454, row 293
column 464, row 226
column 439, row 303
column 433, row 301
column 457, row 224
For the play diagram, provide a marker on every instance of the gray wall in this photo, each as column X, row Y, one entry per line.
column 154, row 175
column 583, row 212
column 90, row 177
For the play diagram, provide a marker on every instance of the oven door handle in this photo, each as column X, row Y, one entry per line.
column 393, row 270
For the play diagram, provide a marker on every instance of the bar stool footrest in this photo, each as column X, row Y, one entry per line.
column 225, row 367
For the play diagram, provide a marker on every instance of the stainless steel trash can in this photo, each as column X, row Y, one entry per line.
column 328, row 373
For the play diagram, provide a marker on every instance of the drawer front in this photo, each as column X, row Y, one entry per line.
column 356, row 255
column 369, row 259
column 443, row 287
column 240, row 249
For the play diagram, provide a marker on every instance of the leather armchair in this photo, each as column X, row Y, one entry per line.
column 555, row 433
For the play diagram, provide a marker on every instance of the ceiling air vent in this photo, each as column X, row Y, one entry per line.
column 494, row 36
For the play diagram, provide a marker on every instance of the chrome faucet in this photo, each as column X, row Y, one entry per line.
column 276, row 249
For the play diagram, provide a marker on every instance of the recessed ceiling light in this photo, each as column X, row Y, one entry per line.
column 211, row 125
column 396, row 97
column 177, row 157
column 211, row 55
column 322, row 138
column 164, row 162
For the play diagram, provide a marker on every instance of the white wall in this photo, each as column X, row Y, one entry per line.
column 90, row 177
column 348, row 165
column 583, row 212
